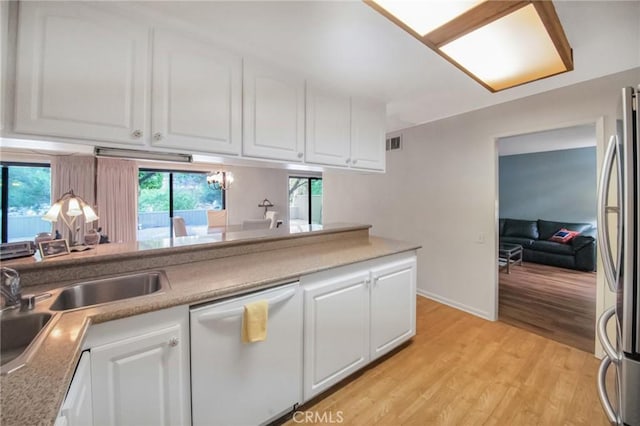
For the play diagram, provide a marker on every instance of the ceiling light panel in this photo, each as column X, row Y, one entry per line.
column 500, row 44
column 424, row 16
column 502, row 57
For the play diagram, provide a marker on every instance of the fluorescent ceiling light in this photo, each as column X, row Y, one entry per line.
column 500, row 44
column 143, row 155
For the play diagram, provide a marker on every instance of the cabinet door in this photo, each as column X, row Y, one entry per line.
column 196, row 96
column 393, row 306
column 328, row 130
column 367, row 134
column 81, row 73
column 76, row 409
column 140, row 380
column 336, row 331
column 273, row 111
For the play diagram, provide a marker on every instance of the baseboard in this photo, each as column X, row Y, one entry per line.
column 454, row 304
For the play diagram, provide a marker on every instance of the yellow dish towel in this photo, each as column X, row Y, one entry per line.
column 254, row 321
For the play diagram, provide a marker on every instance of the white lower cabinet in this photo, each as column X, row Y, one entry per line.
column 179, row 366
column 140, row 375
column 76, row 409
column 393, row 305
column 336, row 331
column 353, row 315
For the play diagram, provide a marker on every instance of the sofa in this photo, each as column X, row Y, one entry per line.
column 535, row 238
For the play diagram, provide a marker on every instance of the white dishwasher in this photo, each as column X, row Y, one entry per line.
column 244, row 384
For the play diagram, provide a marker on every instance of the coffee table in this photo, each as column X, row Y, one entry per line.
column 509, row 253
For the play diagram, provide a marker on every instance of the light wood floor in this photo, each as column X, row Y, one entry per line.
column 463, row 370
column 557, row 303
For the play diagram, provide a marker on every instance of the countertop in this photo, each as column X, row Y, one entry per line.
column 34, row 393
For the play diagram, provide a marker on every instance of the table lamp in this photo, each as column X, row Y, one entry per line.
column 76, row 207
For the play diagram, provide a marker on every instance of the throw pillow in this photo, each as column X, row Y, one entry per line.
column 564, row 236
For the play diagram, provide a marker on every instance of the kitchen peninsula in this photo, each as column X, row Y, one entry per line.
column 201, row 270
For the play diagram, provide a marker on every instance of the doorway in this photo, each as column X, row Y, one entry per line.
column 547, row 185
column 305, row 200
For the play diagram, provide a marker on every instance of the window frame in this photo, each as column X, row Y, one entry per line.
column 171, row 172
column 308, row 178
column 4, row 176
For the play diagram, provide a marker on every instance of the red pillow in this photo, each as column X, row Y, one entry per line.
column 564, row 236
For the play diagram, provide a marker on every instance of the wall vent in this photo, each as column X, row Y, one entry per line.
column 394, row 143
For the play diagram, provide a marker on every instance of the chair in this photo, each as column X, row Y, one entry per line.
column 272, row 217
column 256, row 224
column 179, row 228
column 216, row 218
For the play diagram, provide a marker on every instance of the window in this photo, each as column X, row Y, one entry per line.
column 26, row 197
column 305, row 209
column 163, row 195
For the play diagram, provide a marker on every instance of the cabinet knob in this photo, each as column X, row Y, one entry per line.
column 136, row 134
column 157, row 136
column 300, row 155
column 173, row 342
column 348, row 160
column 354, row 161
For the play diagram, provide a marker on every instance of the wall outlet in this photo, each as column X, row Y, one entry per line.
column 481, row 238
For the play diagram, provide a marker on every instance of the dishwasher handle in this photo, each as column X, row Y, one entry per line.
column 210, row 316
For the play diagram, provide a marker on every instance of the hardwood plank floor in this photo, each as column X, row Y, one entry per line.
column 463, row 370
column 554, row 302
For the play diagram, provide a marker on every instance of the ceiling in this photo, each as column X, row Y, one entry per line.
column 572, row 137
column 348, row 45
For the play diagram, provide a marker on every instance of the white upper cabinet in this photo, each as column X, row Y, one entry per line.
column 344, row 131
column 367, row 134
column 81, row 73
column 328, row 127
column 196, row 96
column 273, row 113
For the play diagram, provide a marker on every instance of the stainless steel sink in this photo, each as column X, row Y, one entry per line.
column 107, row 290
column 20, row 334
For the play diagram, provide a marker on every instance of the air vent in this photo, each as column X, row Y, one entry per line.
column 394, row 143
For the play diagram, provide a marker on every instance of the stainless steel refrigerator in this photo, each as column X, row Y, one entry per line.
column 621, row 261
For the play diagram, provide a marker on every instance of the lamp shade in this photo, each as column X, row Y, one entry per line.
column 89, row 214
column 52, row 214
column 74, row 207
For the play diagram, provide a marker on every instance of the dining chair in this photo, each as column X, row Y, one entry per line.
column 216, row 218
column 256, row 224
column 179, row 228
column 271, row 215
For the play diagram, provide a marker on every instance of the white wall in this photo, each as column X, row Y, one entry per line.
column 251, row 185
column 440, row 190
column 549, row 140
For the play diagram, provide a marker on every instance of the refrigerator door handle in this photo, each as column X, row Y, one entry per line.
column 613, row 417
column 608, row 347
column 610, row 271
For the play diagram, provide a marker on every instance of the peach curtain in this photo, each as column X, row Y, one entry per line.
column 117, row 195
column 77, row 173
